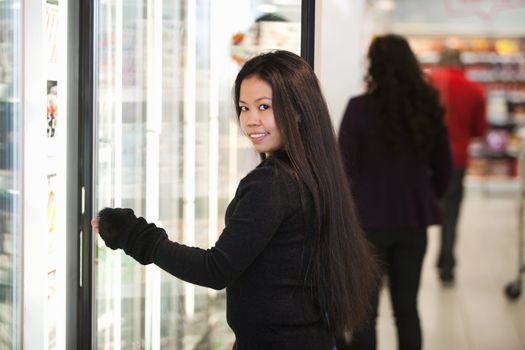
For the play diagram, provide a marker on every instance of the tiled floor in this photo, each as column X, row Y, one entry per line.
column 475, row 314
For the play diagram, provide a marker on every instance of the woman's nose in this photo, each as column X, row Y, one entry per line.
column 253, row 118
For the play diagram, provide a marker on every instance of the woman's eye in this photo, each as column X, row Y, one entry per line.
column 263, row 107
column 243, row 108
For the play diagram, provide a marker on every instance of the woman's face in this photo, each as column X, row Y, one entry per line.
column 256, row 116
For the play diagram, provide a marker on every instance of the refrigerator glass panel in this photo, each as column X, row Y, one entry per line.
column 168, row 146
column 10, row 174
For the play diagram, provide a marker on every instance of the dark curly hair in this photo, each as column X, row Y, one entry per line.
column 405, row 109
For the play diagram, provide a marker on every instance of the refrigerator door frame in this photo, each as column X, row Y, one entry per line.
column 308, row 31
column 85, row 174
column 73, row 323
column 85, row 295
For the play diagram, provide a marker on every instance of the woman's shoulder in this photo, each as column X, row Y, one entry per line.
column 265, row 171
column 273, row 172
column 355, row 114
column 359, row 98
column 272, row 183
column 356, row 107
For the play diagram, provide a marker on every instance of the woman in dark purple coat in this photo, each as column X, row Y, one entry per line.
column 397, row 157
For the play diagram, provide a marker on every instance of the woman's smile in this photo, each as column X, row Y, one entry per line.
column 258, row 137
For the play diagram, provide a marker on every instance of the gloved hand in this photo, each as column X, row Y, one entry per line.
column 120, row 228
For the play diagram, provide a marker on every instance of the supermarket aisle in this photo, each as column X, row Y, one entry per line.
column 475, row 314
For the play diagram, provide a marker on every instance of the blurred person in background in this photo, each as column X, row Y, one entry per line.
column 397, row 157
column 295, row 263
column 465, row 116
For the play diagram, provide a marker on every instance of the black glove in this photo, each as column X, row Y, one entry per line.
column 120, row 228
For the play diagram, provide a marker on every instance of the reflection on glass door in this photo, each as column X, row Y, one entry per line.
column 168, row 146
column 10, row 174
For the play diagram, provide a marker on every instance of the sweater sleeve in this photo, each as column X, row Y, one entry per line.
column 121, row 229
column 258, row 211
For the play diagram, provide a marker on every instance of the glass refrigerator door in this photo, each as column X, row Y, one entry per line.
column 168, row 146
column 10, row 175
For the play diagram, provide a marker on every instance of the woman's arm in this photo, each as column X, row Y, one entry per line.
column 259, row 210
column 349, row 137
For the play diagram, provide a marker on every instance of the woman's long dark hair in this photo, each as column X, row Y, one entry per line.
column 405, row 109
column 342, row 269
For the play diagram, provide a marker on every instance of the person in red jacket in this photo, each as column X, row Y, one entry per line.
column 465, row 116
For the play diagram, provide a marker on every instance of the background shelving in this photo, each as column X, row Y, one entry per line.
column 498, row 63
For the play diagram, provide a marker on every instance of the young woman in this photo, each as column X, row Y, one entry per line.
column 294, row 262
column 395, row 146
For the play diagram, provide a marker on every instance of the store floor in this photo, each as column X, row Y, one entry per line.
column 475, row 314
